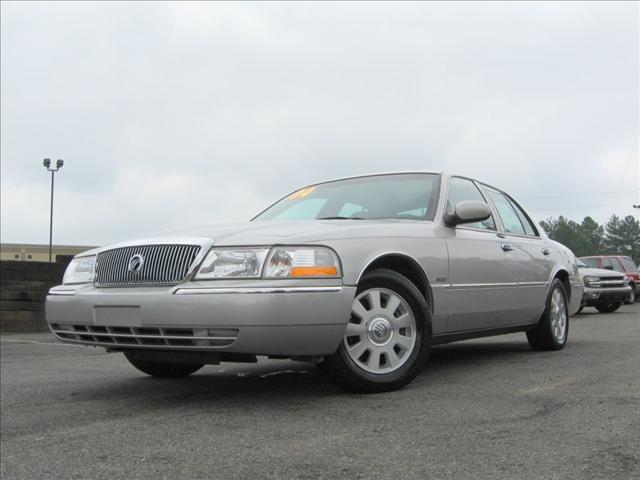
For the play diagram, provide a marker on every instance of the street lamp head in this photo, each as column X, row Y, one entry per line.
column 46, row 163
column 59, row 163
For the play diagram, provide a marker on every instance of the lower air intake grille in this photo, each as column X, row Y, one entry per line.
column 146, row 336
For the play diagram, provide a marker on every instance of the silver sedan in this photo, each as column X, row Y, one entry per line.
column 360, row 275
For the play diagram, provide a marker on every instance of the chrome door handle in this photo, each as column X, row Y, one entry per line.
column 507, row 247
column 545, row 251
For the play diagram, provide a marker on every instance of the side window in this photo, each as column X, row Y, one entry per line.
column 606, row 264
column 529, row 229
column 617, row 266
column 462, row 189
column 508, row 215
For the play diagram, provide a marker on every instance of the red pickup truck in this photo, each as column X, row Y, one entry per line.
column 621, row 264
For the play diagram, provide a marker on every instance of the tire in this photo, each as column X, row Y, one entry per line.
column 552, row 332
column 162, row 369
column 608, row 307
column 580, row 309
column 632, row 297
column 397, row 336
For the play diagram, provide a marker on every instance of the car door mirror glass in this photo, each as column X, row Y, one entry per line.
column 468, row 211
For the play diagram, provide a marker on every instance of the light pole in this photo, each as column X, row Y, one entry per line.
column 53, row 170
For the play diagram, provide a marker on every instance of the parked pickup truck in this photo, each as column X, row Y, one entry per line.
column 603, row 289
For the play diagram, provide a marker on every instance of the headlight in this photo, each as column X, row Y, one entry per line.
column 626, row 281
column 588, row 280
column 80, row 270
column 302, row 262
column 232, row 263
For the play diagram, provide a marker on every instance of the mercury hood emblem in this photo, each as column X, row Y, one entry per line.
column 135, row 263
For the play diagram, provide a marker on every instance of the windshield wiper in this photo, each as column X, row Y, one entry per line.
column 340, row 218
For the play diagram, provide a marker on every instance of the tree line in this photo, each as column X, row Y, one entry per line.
column 618, row 236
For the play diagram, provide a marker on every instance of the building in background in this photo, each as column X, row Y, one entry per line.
column 24, row 252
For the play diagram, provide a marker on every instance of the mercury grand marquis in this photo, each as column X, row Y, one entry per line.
column 361, row 276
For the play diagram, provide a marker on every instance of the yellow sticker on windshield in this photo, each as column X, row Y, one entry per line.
column 301, row 193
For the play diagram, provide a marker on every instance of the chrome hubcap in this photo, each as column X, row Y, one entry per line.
column 381, row 333
column 558, row 316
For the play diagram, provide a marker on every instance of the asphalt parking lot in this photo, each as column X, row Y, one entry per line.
column 487, row 408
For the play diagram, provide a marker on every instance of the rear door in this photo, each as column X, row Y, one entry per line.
column 535, row 264
column 482, row 275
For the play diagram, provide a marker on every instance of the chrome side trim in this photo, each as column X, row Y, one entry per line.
column 481, row 285
column 232, row 290
column 533, row 284
column 63, row 293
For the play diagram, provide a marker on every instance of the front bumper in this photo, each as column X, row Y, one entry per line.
column 283, row 318
column 598, row 296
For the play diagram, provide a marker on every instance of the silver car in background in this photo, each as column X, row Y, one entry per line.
column 360, row 275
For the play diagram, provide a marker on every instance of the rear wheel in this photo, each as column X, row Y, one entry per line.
column 388, row 337
column 163, row 369
column 608, row 307
column 553, row 328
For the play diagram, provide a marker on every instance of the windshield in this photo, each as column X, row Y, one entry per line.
column 629, row 264
column 581, row 264
column 592, row 262
column 397, row 196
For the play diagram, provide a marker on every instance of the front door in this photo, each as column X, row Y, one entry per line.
column 483, row 271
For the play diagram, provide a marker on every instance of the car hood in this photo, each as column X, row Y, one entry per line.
column 599, row 272
column 279, row 232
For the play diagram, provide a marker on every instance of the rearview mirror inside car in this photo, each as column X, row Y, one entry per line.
column 467, row 211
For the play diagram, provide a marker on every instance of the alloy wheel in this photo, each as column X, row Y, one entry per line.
column 558, row 316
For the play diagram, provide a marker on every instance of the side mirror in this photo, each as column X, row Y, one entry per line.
column 468, row 211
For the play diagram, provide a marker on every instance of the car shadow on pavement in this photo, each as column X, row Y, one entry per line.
column 281, row 382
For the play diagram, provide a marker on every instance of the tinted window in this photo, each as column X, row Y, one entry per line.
column 508, row 215
column 617, row 266
column 529, row 229
column 592, row 262
column 403, row 196
column 629, row 264
column 606, row 264
column 462, row 189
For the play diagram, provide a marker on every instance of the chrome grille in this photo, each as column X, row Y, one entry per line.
column 609, row 282
column 151, row 337
column 162, row 265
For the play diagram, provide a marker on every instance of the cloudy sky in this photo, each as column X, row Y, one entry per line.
column 171, row 115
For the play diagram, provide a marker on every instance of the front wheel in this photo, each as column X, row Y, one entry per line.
column 608, row 307
column 553, row 328
column 163, row 369
column 388, row 337
column 631, row 298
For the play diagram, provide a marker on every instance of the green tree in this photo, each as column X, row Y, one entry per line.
column 594, row 233
column 623, row 236
column 569, row 233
